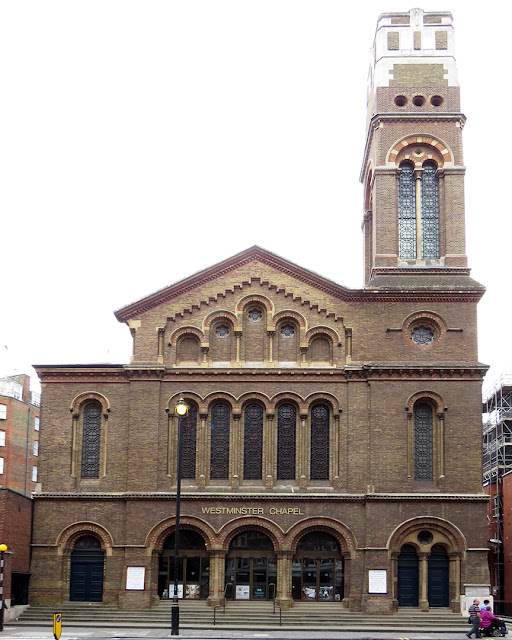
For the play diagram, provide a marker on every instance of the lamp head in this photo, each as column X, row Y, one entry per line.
column 3, row 547
column 181, row 408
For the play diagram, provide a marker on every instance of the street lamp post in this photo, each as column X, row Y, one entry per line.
column 180, row 410
column 3, row 549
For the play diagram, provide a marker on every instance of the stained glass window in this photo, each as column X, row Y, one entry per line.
column 188, row 443
column 422, row 335
column 423, row 427
column 219, row 457
column 320, row 442
column 253, row 441
column 286, row 424
column 406, row 212
column 91, row 441
column 430, row 211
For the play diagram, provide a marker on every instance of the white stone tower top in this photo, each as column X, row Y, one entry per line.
column 412, row 49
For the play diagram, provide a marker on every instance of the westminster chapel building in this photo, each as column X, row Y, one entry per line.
column 332, row 447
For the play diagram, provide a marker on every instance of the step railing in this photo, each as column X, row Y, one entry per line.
column 222, row 604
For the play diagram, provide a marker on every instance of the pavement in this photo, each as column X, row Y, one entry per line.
column 17, row 631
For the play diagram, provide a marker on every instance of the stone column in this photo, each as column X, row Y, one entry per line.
column 394, row 581
column 348, row 345
column 160, row 354
column 235, row 448
column 204, row 350
column 304, row 355
column 269, row 451
column 238, row 335
column 202, row 450
column 454, row 581
column 217, row 572
column 303, row 450
column 74, row 445
column 284, row 579
column 271, row 335
column 440, row 422
column 170, row 445
column 410, row 445
column 419, row 234
column 336, row 452
column 423, row 581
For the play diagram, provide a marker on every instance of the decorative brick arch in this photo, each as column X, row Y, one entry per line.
column 255, row 297
column 231, row 529
column 82, row 398
column 329, row 398
column 322, row 330
column 452, row 533
column 344, row 536
column 246, row 398
column 216, row 315
column 289, row 313
column 186, row 395
column 434, row 398
column 156, row 537
column 289, row 396
column 184, row 331
column 68, row 536
column 212, row 398
column 440, row 152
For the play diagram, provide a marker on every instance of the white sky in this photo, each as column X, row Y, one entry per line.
column 143, row 141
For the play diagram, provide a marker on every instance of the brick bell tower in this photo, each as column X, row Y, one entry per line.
column 413, row 172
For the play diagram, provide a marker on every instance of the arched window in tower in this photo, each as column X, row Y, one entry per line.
column 423, row 442
column 219, row 444
column 418, row 211
column 188, row 443
column 91, row 440
column 406, row 212
column 320, row 442
column 286, row 425
column 430, row 211
column 253, row 441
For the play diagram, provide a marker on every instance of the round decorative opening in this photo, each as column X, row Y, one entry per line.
column 436, row 101
column 425, row 537
column 422, row 334
column 287, row 330
column 418, row 101
column 255, row 315
column 222, row 330
column 400, row 101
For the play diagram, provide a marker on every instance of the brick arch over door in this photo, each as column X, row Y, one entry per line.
column 231, row 529
column 68, row 536
column 338, row 530
column 158, row 534
column 451, row 532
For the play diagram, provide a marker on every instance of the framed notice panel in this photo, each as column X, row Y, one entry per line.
column 135, row 578
column 377, row 581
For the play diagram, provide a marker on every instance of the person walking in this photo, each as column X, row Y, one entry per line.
column 475, row 617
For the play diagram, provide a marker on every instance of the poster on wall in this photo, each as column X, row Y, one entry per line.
column 135, row 578
column 242, row 592
column 377, row 581
column 193, row 592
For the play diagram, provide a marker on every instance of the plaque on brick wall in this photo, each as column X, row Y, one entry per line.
column 377, row 581
column 135, row 578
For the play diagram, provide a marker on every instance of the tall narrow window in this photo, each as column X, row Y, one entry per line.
column 430, row 211
column 320, row 442
column 188, row 443
column 253, row 441
column 423, row 428
column 219, row 457
column 286, row 425
column 406, row 212
column 91, row 440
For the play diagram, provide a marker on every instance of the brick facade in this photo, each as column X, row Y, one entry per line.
column 272, row 346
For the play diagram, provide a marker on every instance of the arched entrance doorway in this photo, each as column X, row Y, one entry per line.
column 438, row 577
column 317, row 569
column 408, row 576
column 251, row 567
column 193, row 568
column 86, row 579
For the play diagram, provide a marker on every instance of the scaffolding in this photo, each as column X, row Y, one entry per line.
column 497, row 460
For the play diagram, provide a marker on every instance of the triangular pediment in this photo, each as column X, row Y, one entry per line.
column 243, row 260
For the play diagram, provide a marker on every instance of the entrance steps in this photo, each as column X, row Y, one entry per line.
column 196, row 614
